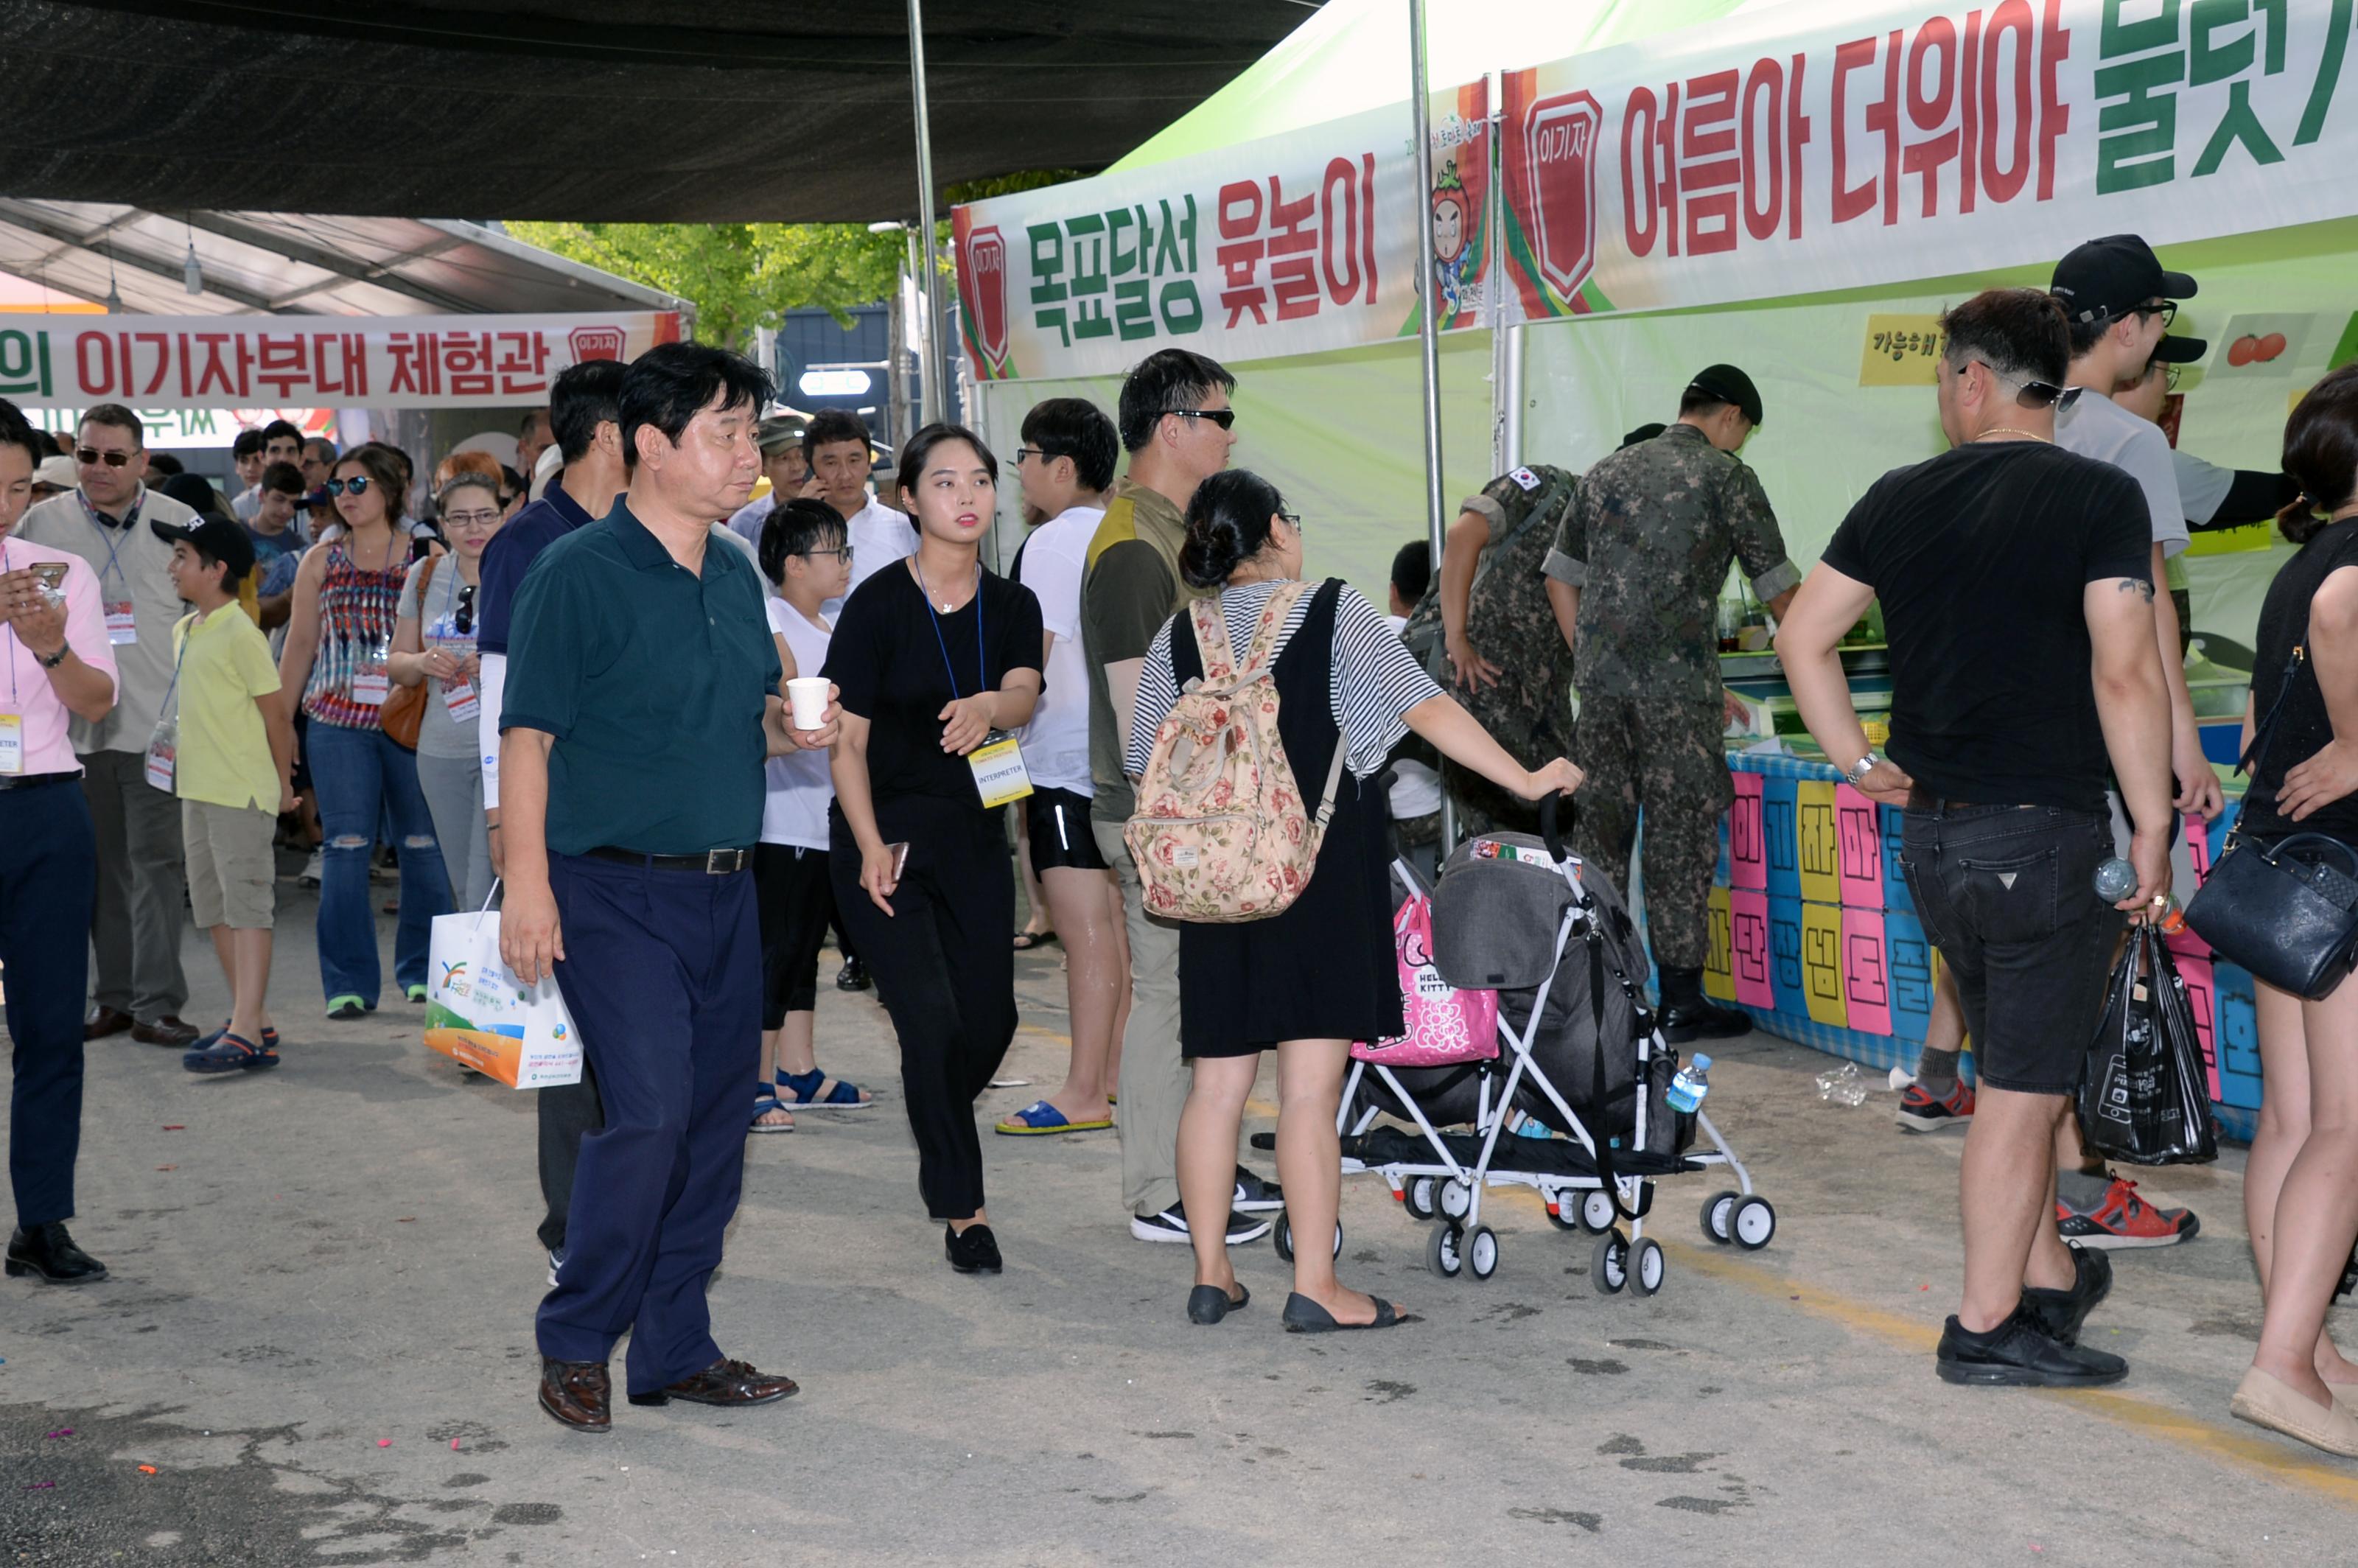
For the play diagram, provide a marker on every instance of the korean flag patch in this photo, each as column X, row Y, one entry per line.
column 1526, row 478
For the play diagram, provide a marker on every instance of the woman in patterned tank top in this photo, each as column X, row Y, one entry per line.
column 339, row 636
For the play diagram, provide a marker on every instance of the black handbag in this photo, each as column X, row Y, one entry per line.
column 2289, row 911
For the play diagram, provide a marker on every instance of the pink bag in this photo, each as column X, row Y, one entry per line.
column 1445, row 1026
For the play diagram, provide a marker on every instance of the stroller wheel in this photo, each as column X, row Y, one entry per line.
column 1456, row 1198
column 1482, row 1251
column 1753, row 1223
column 1596, row 1212
column 1718, row 1214
column 1418, row 1196
column 1608, row 1268
column 1645, row 1270
column 1563, row 1211
column 1444, row 1252
column 1283, row 1241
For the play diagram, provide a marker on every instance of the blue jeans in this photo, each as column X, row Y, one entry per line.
column 361, row 777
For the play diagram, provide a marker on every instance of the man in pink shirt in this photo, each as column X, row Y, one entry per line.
column 55, row 663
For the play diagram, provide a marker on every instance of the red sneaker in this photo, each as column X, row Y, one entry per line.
column 2125, row 1219
column 1919, row 1112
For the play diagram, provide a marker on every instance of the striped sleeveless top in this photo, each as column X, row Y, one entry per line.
column 357, row 611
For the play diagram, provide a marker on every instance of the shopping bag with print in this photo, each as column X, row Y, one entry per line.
column 1445, row 1025
column 2145, row 1096
column 481, row 1017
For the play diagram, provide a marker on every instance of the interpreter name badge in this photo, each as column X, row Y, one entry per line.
column 121, row 630
column 998, row 770
column 459, row 700
column 162, row 748
column 371, row 686
column 12, row 742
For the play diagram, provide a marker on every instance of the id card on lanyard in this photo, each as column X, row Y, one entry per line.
column 12, row 718
column 114, row 583
column 164, row 744
column 1000, row 775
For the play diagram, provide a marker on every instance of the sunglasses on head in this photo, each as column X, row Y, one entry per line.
column 463, row 618
column 358, row 485
column 1225, row 419
column 2035, row 394
column 90, row 458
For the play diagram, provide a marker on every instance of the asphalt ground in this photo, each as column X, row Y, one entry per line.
column 316, row 1347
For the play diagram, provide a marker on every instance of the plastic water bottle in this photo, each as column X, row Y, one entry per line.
column 1688, row 1088
column 2115, row 880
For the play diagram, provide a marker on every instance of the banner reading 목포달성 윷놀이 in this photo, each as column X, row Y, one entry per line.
column 1809, row 148
column 1291, row 244
column 371, row 361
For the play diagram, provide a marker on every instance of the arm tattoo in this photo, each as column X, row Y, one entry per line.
column 2137, row 585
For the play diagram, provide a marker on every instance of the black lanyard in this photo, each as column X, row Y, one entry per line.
column 981, row 669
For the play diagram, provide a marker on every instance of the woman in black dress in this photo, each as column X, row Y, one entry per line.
column 2298, row 1198
column 1311, row 980
column 935, row 657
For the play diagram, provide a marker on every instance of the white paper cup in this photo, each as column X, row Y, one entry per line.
column 807, row 695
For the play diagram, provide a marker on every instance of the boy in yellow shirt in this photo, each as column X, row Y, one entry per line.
column 230, row 754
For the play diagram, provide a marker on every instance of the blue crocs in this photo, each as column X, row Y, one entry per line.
column 230, row 1053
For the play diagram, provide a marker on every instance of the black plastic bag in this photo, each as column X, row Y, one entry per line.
column 2145, row 1096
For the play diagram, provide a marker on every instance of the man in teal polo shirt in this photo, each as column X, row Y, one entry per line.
column 641, row 702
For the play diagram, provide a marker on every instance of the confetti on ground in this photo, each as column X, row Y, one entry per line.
column 176, row 1127
column 385, row 1443
column 454, row 1443
column 168, row 1167
column 406, row 1220
column 41, row 1487
column 148, row 1469
column 61, row 1432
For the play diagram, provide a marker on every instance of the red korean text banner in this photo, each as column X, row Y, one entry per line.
column 371, row 361
column 1812, row 147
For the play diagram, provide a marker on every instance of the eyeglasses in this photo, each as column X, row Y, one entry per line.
column 2036, row 393
column 471, row 519
column 845, row 552
column 2167, row 309
column 358, row 485
column 2169, row 375
column 464, row 617
column 89, row 457
column 1291, row 519
column 1023, row 453
column 1225, row 419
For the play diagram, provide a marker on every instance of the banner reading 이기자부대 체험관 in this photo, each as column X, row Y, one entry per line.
column 1807, row 148
column 1291, row 244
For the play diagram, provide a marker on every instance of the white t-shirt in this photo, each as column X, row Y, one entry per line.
column 793, row 811
column 1416, row 788
column 2096, row 426
column 2202, row 487
column 1057, row 741
column 747, row 520
column 879, row 536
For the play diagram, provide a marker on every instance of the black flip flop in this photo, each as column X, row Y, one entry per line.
column 1027, row 940
column 1302, row 1315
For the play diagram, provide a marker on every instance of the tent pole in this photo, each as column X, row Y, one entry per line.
column 1429, row 330
column 936, row 383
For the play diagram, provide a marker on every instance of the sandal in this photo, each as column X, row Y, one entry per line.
column 269, row 1037
column 1027, row 940
column 230, row 1053
column 1302, row 1315
column 766, row 1103
column 1040, row 1118
column 815, row 1090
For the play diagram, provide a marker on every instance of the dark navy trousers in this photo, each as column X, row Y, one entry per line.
column 48, row 877
column 663, row 976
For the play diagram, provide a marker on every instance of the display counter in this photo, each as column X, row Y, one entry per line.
column 1814, row 935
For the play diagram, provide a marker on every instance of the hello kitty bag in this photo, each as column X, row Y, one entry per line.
column 1445, row 1025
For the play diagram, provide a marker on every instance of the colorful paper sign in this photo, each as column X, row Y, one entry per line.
column 1908, row 960
column 1785, row 954
column 1781, row 838
column 1900, row 351
column 1719, row 966
column 1858, row 848
column 336, row 361
column 1751, row 958
column 1818, row 832
column 1822, row 964
column 1291, row 244
column 1866, row 972
column 1748, row 853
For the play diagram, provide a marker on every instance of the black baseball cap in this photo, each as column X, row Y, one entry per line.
column 212, row 535
column 1729, row 385
column 2107, row 278
column 2181, row 351
column 1643, row 433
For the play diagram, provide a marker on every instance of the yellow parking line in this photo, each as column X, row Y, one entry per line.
column 2276, row 1459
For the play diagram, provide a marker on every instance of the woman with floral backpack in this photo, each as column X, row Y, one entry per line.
column 1299, row 692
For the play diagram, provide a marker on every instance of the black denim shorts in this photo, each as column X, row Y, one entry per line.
column 2007, row 894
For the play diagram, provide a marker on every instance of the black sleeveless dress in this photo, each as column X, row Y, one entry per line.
column 1325, row 969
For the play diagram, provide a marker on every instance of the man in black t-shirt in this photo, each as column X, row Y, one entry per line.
column 2017, row 585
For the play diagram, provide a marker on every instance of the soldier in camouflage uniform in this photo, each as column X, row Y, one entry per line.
column 1490, row 636
column 1637, row 566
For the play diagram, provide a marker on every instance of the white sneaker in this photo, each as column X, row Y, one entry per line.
column 310, row 877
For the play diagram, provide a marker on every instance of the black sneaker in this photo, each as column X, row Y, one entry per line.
column 853, row 976
column 1171, row 1224
column 1254, row 1196
column 2017, row 1354
column 2059, row 1314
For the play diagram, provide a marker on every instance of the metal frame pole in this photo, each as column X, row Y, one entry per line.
column 1429, row 329
column 936, row 375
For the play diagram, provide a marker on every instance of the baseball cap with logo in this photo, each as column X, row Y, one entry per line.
column 780, row 430
column 1729, row 385
column 212, row 535
column 2107, row 278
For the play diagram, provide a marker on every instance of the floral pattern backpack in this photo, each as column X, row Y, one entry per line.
column 1221, row 833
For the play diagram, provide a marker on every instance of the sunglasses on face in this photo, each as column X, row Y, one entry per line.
column 90, row 458
column 1225, row 419
column 357, row 486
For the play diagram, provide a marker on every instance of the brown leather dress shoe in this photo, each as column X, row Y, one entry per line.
column 108, row 1022
column 723, row 1383
column 165, row 1030
column 576, row 1393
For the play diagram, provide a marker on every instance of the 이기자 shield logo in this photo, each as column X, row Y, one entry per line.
column 1559, row 136
column 986, row 271
column 596, row 343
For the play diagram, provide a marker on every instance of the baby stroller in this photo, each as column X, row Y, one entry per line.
column 1513, row 915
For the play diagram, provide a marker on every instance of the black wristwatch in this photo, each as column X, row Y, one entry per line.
column 51, row 661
